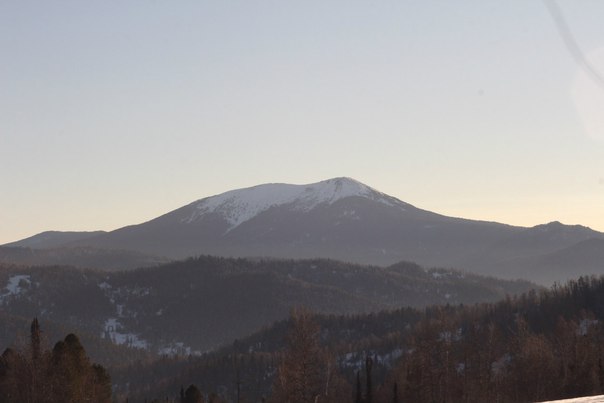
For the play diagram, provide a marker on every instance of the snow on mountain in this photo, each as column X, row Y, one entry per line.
column 241, row 205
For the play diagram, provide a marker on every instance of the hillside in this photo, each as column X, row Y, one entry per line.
column 198, row 304
column 15, row 331
column 539, row 346
column 82, row 256
column 53, row 239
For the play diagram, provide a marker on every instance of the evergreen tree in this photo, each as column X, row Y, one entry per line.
column 193, row 395
column 368, row 367
column 359, row 394
column 64, row 375
column 72, row 370
column 10, row 362
column 100, row 389
column 35, row 340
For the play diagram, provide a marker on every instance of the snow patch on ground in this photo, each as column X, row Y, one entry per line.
column 105, row 286
column 498, row 366
column 241, row 205
column 177, row 348
column 357, row 360
column 14, row 286
column 113, row 331
column 440, row 273
column 448, row 336
column 584, row 326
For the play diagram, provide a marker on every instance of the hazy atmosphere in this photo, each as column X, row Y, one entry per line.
column 301, row 202
column 116, row 112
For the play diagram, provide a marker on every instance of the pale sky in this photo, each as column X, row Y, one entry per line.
column 115, row 112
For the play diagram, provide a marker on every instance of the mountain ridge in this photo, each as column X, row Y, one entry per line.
column 344, row 219
column 240, row 205
column 51, row 239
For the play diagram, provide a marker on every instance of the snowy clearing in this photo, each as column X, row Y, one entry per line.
column 111, row 331
column 14, row 285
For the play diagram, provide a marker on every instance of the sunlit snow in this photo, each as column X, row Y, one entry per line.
column 588, row 399
column 239, row 206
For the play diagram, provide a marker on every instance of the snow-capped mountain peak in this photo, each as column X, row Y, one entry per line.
column 239, row 206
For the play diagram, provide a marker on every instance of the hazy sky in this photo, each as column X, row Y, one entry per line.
column 114, row 112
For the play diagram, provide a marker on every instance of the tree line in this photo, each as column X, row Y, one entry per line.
column 542, row 345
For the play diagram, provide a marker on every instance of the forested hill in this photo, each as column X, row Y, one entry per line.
column 83, row 257
column 542, row 345
column 198, row 304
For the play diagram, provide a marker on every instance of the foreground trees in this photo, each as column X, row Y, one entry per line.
column 540, row 346
column 307, row 373
column 63, row 375
column 536, row 347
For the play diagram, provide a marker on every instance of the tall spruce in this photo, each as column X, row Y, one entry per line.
column 64, row 375
column 193, row 395
column 359, row 393
column 35, row 340
column 368, row 368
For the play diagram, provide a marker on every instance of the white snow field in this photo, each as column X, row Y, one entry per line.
column 587, row 399
column 241, row 205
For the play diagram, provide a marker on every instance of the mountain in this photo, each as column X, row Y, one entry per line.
column 53, row 239
column 344, row 219
column 338, row 218
column 587, row 255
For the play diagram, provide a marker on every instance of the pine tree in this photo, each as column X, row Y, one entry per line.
column 35, row 340
column 368, row 367
column 64, row 375
column 72, row 369
column 193, row 395
column 359, row 394
column 36, row 375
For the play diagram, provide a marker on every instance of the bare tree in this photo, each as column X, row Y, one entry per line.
column 307, row 372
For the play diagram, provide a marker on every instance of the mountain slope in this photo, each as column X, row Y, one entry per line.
column 82, row 256
column 53, row 239
column 338, row 218
column 198, row 304
column 542, row 345
column 588, row 255
column 346, row 220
